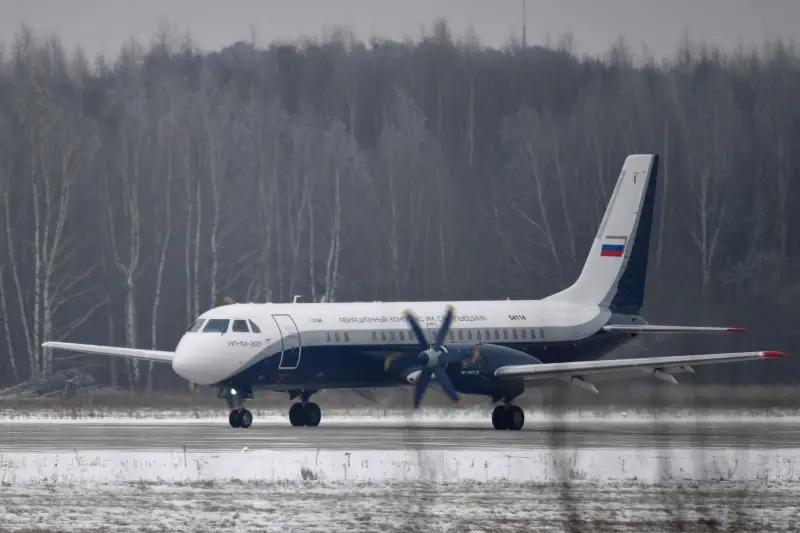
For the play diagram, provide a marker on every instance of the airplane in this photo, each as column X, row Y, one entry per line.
column 489, row 348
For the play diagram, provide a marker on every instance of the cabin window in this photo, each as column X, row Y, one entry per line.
column 479, row 335
column 216, row 325
column 346, row 337
column 375, row 336
column 196, row 325
column 514, row 334
column 469, row 334
column 541, row 333
column 240, row 326
column 383, row 336
column 523, row 333
column 253, row 327
column 336, row 336
column 400, row 334
column 391, row 335
column 329, row 336
column 497, row 335
column 505, row 334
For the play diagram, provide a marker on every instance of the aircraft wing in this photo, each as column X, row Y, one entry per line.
column 133, row 353
column 649, row 328
column 589, row 368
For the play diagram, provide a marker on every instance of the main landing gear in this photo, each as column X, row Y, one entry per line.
column 508, row 417
column 304, row 413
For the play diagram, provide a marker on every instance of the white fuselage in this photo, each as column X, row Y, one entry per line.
column 284, row 330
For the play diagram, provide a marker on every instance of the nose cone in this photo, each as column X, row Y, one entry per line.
column 193, row 363
column 181, row 361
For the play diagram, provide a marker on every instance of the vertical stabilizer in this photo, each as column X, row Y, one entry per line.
column 615, row 271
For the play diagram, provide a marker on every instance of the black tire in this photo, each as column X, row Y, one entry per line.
column 499, row 420
column 245, row 419
column 234, row 419
column 515, row 417
column 297, row 415
column 313, row 414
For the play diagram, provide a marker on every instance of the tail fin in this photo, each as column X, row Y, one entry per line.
column 614, row 273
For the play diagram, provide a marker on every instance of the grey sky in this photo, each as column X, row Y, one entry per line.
column 103, row 25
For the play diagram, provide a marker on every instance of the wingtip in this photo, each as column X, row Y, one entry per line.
column 737, row 330
column 773, row 354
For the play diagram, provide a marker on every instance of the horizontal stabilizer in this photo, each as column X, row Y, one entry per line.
column 652, row 329
column 131, row 353
column 588, row 368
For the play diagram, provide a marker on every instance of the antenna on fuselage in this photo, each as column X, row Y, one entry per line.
column 296, row 298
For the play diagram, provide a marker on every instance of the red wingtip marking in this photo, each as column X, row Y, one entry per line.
column 737, row 330
column 774, row 354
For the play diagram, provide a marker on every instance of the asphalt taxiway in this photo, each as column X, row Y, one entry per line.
column 218, row 436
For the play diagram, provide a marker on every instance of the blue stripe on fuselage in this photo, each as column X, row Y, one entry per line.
column 344, row 367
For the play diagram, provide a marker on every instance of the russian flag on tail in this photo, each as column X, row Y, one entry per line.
column 613, row 246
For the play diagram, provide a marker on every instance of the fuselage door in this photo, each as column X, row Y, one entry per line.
column 290, row 342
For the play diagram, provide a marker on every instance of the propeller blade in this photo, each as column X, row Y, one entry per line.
column 422, row 384
column 444, row 381
column 418, row 333
column 445, row 327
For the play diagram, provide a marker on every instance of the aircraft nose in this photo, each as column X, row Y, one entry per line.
column 181, row 361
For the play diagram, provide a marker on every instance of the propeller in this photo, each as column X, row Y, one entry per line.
column 433, row 358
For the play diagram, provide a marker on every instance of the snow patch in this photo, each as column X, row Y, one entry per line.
column 81, row 469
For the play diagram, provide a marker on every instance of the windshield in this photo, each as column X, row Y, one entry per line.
column 197, row 324
column 216, row 325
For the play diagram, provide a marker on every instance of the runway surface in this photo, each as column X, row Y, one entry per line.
column 218, row 436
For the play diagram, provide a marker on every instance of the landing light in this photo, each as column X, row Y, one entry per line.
column 233, row 392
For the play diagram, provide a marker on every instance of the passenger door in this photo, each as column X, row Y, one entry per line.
column 290, row 342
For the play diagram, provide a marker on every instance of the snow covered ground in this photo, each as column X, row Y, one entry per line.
column 464, row 490
column 360, row 491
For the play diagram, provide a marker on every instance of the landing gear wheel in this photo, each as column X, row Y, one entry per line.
column 499, row 420
column 297, row 415
column 515, row 417
column 234, row 419
column 245, row 418
column 313, row 414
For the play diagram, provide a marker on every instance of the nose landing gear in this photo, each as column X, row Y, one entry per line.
column 239, row 417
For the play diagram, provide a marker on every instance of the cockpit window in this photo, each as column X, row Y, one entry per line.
column 255, row 328
column 240, row 326
column 196, row 325
column 216, row 325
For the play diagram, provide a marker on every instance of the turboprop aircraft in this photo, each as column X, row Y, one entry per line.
column 490, row 348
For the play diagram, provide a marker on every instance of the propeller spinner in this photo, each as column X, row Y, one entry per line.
column 433, row 358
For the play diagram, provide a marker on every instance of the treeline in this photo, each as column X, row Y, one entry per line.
column 138, row 191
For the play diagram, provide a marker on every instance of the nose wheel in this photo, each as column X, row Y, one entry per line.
column 240, row 418
column 508, row 417
column 305, row 414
